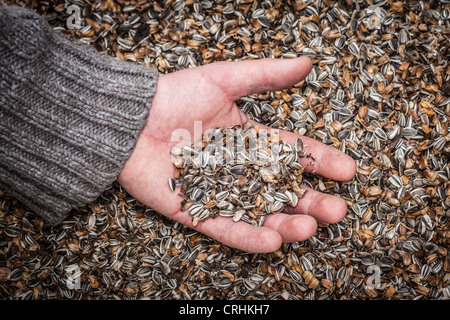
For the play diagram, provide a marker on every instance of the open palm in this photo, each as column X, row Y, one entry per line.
column 207, row 94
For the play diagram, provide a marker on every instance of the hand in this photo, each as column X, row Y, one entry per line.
column 207, row 94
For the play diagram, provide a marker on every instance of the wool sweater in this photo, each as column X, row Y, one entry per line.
column 69, row 116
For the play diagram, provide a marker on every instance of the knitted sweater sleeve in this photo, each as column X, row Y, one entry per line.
column 69, row 116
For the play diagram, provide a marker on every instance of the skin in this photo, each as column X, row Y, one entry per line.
column 207, row 94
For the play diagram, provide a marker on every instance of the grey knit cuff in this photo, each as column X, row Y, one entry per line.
column 69, row 116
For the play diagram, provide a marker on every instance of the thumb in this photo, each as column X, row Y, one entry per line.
column 254, row 76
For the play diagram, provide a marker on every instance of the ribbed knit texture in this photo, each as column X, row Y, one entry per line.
column 69, row 116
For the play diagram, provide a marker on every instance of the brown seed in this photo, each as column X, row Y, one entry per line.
column 4, row 274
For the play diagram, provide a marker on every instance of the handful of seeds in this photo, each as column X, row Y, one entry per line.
column 240, row 172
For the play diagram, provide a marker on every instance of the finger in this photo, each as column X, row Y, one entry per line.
column 292, row 227
column 321, row 206
column 327, row 161
column 240, row 235
column 254, row 76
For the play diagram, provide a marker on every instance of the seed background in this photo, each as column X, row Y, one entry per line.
column 379, row 91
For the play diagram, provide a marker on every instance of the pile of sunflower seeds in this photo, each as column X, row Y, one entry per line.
column 379, row 91
column 239, row 172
